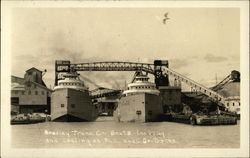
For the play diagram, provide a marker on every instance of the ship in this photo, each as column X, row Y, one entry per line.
column 140, row 102
column 71, row 102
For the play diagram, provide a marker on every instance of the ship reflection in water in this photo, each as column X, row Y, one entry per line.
column 105, row 133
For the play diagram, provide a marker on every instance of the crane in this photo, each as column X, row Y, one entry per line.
column 233, row 77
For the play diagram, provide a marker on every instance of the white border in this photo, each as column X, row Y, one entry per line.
column 7, row 151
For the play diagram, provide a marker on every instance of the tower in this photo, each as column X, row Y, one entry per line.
column 160, row 78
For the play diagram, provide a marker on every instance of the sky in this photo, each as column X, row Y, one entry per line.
column 200, row 43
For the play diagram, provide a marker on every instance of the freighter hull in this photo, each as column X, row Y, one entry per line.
column 141, row 107
column 72, row 105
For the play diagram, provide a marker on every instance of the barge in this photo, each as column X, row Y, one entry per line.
column 27, row 119
column 200, row 118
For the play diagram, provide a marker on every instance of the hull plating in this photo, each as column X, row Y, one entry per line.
column 139, row 108
column 72, row 105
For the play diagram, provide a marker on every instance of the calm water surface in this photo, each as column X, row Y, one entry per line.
column 110, row 134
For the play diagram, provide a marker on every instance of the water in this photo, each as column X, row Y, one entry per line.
column 110, row 134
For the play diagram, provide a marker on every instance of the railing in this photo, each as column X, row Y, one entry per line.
column 114, row 66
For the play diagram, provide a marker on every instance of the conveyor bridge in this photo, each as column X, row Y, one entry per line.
column 159, row 69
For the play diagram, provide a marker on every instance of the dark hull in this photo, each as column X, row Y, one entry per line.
column 69, row 118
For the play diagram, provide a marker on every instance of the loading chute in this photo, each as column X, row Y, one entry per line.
column 233, row 77
column 216, row 97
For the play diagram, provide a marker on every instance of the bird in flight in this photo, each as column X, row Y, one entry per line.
column 166, row 18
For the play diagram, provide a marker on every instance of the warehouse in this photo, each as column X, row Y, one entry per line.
column 30, row 94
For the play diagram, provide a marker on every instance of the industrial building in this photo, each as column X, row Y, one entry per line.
column 170, row 97
column 231, row 92
column 30, row 94
column 106, row 100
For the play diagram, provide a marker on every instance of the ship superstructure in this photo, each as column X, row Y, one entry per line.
column 141, row 85
column 71, row 100
column 71, row 80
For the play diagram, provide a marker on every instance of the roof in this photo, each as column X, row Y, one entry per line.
column 33, row 68
column 15, row 79
column 21, row 87
column 17, row 87
column 42, row 86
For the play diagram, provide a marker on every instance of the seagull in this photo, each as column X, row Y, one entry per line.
column 166, row 18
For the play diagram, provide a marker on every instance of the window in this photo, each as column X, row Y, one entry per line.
column 36, row 93
column 42, row 92
column 34, row 86
column 227, row 104
column 23, row 92
column 16, row 92
column 62, row 105
column 138, row 112
column 239, row 103
column 73, row 105
column 233, row 104
column 29, row 92
column 14, row 100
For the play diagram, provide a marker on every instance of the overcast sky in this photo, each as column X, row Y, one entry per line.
column 199, row 43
